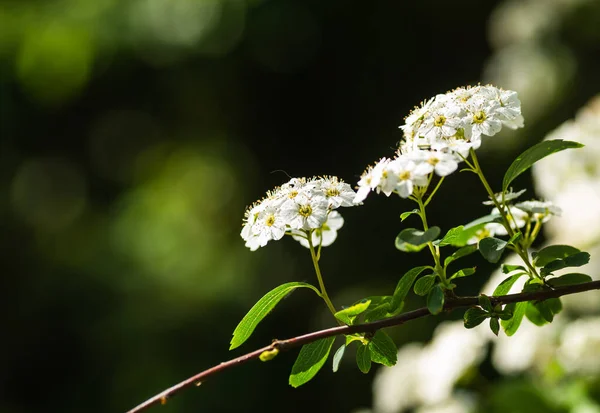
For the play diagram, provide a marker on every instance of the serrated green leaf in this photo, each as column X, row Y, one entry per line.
column 424, row 284
column 492, row 248
column 462, row 252
column 485, row 302
column 534, row 154
column 452, row 237
column 435, row 300
column 337, row 357
column 263, row 307
column 504, row 287
column 465, row 272
column 383, row 349
column 416, row 237
column 347, row 315
column 474, row 316
column 310, row 360
column 403, row 286
column 551, row 253
column 507, row 268
column 569, row 279
column 405, row 215
column 511, row 325
column 494, row 325
column 363, row 358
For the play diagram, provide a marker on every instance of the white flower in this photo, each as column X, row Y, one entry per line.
column 326, row 235
column 508, row 196
column 484, row 118
column 338, row 193
column 578, row 351
column 540, row 211
column 516, row 217
column 428, row 161
column 369, row 180
column 441, row 123
column 305, row 212
column 407, row 176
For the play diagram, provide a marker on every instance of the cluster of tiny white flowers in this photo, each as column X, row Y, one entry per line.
column 438, row 135
column 301, row 207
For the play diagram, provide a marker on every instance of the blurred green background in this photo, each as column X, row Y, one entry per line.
column 134, row 133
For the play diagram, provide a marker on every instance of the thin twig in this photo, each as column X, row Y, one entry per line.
column 451, row 304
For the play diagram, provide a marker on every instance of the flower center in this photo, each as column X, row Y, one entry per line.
column 270, row 220
column 305, row 211
column 433, row 161
column 292, row 194
column 332, row 192
column 404, row 176
column 479, row 117
column 439, row 121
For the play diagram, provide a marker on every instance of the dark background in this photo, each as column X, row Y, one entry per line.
column 130, row 146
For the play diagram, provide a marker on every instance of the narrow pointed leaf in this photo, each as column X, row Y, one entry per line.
column 363, row 358
column 337, row 357
column 347, row 315
column 465, row 272
column 403, row 286
column 495, row 325
column 405, row 215
column 507, row 268
column 518, row 311
column 263, row 307
column 534, row 154
column 462, row 252
column 504, row 287
column 452, row 237
column 310, row 360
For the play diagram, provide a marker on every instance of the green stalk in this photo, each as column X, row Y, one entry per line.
column 435, row 252
column 315, row 261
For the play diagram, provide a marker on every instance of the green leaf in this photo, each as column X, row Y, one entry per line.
column 416, row 237
column 485, row 303
column 507, row 268
column 354, row 337
column 534, row 154
column 363, row 358
column 435, row 300
column 405, row 215
column 347, row 315
column 542, row 312
column 475, row 316
column 310, row 360
column 383, row 349
column 465, row 272
column 452, row 237
column 337, row 357
column 575, row 260
column 492, row 248
column 533, row 314
column 569, row 279
column 518, row 311
column 504, row 287
column 495, row 325
column 463, row 252
column 424, row 284
column 245, row 328
column 551, row 253
column 404, row 285
column 378, row 312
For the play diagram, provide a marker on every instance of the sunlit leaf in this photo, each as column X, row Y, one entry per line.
column 383, row 349
column 363, row 358
column 310, row 360
column 435, row 300
column 337, row 357
column 492, row 248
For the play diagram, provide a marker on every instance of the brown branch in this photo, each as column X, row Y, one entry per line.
column 451, row 304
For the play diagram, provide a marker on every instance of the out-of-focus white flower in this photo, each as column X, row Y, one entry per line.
column 489, row 230
column 301, row 206
column 324, row 236
column 579, row 351
column 426, row 376
column 539, row 210
column 458, row 403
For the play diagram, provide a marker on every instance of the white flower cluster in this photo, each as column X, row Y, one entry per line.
column 300, row 207
column 438, row 135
